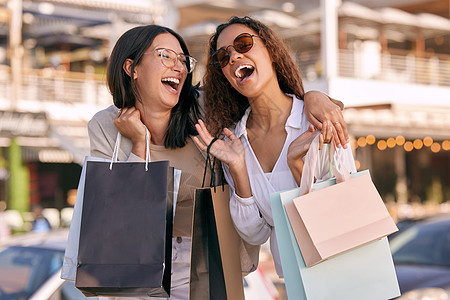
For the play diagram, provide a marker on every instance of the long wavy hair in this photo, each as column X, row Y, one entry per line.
column 133, row 44
column 224, row 105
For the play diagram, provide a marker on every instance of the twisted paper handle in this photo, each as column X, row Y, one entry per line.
column 117, row 147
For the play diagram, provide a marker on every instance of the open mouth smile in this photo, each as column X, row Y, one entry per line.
column 243, row 72
column 171, row 83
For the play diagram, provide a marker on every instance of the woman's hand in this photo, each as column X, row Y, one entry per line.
column 300, row 146
column 320, row 108
column 129, row 124
column 326, row 134
column 230, row 152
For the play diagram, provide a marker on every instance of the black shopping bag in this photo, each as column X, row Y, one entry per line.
column 207, row 279
column 219, row 255
column 125, row 245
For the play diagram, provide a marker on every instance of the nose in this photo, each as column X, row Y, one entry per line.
column 179, row 66
column 234, row 55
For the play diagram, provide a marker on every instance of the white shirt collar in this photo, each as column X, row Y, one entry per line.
column 294, row 120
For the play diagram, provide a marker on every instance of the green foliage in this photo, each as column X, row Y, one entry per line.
column 19, row 188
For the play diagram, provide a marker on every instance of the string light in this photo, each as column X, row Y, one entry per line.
column 408, row 146
column 400, row 140
column 362, row 142
column 382, row 145
column 436, row 147
column 446, row 145
column 391, row 142
column 370, row 139
column 427, row 141
column 418, row 144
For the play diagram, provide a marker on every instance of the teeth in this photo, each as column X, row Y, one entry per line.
column 174, row 80
column 238, row 74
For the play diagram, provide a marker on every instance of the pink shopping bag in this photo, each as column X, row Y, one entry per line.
column 333, row 218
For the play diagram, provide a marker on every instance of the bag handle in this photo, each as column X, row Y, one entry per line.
column 344, row 174
column 212, row 169
column 309, row 167
column 117, row 147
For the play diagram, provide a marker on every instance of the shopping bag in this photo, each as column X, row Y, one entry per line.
column 69, row 268
column 335, row 217
column 125, row 240
column 219, row 256
column 207, row 278
column 366, row 272
column 70, row 262
column 118, row 255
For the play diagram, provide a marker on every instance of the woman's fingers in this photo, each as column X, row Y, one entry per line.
column 328, row 132
column 299, row 147
column 203, row 132
column 320, row 141
column 127, row 113
column 229, row 134
column 340, row 133
column 305, row 137
column 199, row 143
column 201, row 135
column 315, row 122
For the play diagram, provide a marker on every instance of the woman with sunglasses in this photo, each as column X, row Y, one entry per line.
column 251, row 79
column 149, row 75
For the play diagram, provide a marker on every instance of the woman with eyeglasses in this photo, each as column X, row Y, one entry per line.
column 253, row 86
column 149, row 75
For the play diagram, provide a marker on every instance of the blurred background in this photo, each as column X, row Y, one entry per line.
column 387, row 60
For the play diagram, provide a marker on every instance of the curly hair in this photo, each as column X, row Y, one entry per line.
column 224, row 106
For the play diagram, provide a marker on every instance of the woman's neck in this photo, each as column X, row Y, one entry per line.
column 157, row 124
column 269, row 110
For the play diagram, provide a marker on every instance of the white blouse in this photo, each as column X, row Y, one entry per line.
column 252, row 216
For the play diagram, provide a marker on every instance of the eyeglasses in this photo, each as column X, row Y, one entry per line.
column 169, row 58
column 242, row 44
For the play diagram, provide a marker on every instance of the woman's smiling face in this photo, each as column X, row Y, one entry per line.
column 158, row 85
column 251, row 72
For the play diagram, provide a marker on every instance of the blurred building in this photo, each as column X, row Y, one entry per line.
column 388, row 61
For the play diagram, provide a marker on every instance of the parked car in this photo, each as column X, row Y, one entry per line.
column 30, row 268
column 404, row 224
column 421, row 254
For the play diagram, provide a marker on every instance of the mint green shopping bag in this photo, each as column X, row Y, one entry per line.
column 365, row 273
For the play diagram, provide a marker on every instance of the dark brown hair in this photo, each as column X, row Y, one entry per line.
column 133, row 44
column 223, row 104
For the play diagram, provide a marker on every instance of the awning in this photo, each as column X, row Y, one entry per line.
column 46, row 137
